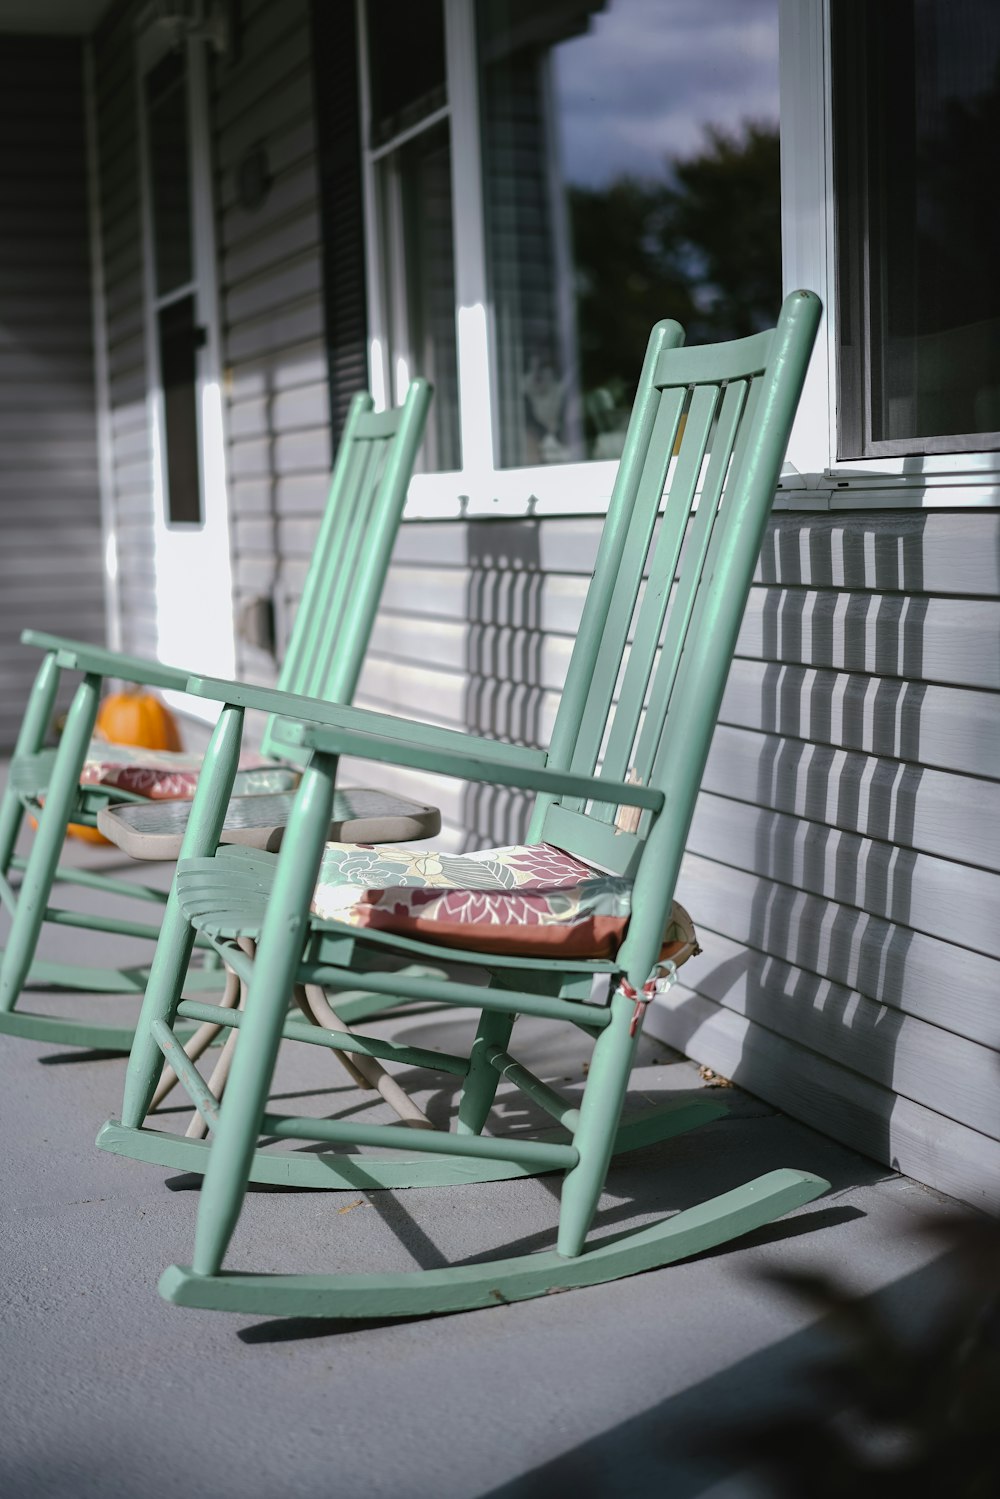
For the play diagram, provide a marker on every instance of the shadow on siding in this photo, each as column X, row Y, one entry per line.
column 504, row 692
column 786, row 982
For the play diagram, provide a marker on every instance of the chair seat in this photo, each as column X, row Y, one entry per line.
column 172, row 775
column 529, row 900
column 156, row 830
column 156, row 774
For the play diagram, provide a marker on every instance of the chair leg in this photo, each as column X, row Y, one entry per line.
column 11, row 818
column 367, row 1072
column 594, row 1137
column 198, row 1127
column 482, row 1078
column 163, row 994
column 199, row 1042
column 176, row 941
column 29, row 741
column 279, row 950
column 60, row 801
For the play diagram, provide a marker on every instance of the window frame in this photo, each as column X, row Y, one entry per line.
column 812, row 477
column 953, row 479
column 857, row 305
column 480, row 487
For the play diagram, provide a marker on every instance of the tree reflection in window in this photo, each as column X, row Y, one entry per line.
column 631, row 173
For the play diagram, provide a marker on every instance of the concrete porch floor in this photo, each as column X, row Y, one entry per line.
column 107, row 1391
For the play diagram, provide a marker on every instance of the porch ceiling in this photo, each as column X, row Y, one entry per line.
column 51, row 17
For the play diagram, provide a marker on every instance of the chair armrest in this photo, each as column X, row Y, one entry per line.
column 473, row 760
column 382, row 725
column 340, row 730
column 79, row 656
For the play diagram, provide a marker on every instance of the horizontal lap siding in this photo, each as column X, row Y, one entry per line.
column 271, row 291
column 844, row 861
column 51, row 573
column 458, row 642
column 131, row 478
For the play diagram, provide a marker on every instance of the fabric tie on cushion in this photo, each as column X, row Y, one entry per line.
column 528, row 900
column 172, row 775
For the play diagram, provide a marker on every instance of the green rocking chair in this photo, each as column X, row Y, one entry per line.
column 578, row 925
column 324, row 658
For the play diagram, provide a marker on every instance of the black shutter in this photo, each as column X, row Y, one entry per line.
column 338, row 130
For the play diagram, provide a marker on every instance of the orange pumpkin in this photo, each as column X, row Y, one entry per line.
column 131, row 717
column 137, row 717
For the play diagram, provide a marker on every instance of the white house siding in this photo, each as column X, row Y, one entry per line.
column 271, row 291
column 50, row 524
column 121, row 246
column 274, row 347
column 844, row 861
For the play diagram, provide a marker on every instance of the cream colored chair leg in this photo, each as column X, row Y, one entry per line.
column 198, row 1129
column 374, row 1074
column 366, row 1072
column 346, row 1061
column 200, row 1041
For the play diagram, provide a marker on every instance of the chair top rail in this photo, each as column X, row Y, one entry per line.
column 375, row 424
column 739, row 359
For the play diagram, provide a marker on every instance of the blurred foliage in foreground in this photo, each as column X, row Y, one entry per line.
column 895, row 1414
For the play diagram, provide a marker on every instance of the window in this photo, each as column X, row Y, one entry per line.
column 178, row 335
column 410, row 161
column 544, row 179
column 631, row 172
column 916, row 122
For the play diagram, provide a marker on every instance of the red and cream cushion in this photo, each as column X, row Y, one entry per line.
column 529, row 901
column 172, row 775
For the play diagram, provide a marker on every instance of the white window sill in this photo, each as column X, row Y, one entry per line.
column 585, row 489
column 556, row 489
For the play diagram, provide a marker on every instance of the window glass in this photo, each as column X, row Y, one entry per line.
column 919, row 224
column 422, row 295
column 169, row 167
column 414, row 184
column 180, row 338
column 630, row 155
column 406, row 43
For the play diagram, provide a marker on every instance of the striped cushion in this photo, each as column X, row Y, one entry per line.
column 521, row 900
column 169, row 775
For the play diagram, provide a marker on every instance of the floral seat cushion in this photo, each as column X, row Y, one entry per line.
column 529, row 901
column 172, row 775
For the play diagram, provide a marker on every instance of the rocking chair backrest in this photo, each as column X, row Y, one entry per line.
column 649, row 666
column 344, row 583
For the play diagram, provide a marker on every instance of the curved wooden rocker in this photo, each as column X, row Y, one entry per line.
column 615, row 794
column 367, row 492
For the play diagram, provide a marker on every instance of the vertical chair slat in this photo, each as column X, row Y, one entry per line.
column 343, row 484
column 659, row 586
column 576, row 691
column 696, row 612
column 323, row 668
column 351, row 556
column 697, row 550
column 605, row 667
